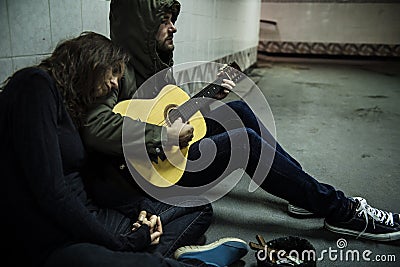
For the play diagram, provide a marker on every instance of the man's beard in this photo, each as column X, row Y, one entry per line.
column 164, row 47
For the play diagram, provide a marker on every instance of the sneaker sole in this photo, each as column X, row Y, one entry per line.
column 199, row 249
column 376, row 237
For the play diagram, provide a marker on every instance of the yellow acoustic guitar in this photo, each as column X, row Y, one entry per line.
column 171, row 103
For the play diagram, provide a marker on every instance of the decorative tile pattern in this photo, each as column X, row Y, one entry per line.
column 244, row 58
column 330, row 49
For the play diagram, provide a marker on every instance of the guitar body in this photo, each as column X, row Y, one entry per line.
column 155, row 111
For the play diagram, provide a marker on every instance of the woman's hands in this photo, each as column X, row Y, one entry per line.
column 154, row 223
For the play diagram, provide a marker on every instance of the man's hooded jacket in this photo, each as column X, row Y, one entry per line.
column 133, row 26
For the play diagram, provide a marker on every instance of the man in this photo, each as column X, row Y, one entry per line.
column 145, row 29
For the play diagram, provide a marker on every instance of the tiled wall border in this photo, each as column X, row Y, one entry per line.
column 329, row 49
column 245, row 59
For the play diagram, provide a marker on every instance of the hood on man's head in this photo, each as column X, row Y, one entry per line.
column 174, row 8
column 133, row 26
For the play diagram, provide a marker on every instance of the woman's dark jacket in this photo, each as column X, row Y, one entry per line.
column 44, row 204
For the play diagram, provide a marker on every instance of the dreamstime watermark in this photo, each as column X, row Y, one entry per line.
column 339, row 253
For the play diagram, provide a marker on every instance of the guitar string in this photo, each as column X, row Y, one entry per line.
column 187, row 109
column 235, row 79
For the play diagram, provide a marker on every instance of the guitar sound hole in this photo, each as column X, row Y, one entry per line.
column 171, row 114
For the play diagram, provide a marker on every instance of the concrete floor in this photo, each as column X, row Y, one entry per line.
column 341, row 121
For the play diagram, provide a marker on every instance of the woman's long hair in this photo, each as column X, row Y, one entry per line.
column 79, row 66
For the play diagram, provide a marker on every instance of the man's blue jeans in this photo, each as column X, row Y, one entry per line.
column 285, row 178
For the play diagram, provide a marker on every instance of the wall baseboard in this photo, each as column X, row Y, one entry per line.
column 245, row 58
column 329, row 49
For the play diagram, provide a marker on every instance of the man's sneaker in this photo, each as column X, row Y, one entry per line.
column 299, row 212
column 369, row 223
column 219, row 253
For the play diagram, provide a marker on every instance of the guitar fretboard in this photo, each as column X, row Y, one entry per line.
column 206, row 95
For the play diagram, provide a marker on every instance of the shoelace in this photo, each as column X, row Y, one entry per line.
column 374, row 213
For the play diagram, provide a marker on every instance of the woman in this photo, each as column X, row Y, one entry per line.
column 49, row 219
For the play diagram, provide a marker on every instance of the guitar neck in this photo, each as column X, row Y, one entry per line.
column 197, row 102
column 205, row 96
column 210, row 90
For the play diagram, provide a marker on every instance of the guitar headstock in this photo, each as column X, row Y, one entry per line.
column 228, row 71
column 231, row 71
column 234, row 65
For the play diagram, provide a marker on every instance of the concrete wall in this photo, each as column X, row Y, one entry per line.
column 207, row 29
column 331, row 22
column 212, row 29
column 331, row 27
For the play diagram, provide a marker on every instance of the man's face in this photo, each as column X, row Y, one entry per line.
column 165, row 34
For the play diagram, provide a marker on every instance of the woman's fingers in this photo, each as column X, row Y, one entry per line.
column 136, row 226
column 153, row 221
column 155, row 238
column 159, row 225
column 142, row 216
